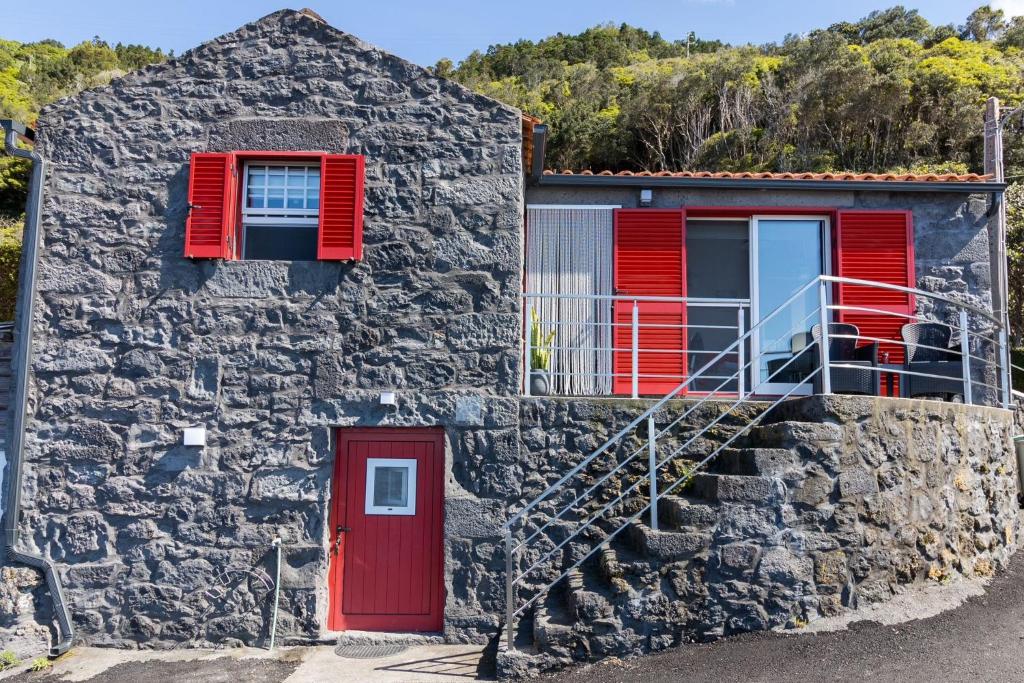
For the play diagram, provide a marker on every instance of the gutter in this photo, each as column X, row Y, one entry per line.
column 565, row 179
column 21, row 358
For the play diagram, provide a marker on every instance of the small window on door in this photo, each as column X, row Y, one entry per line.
column 281, row 211
column 390, row 486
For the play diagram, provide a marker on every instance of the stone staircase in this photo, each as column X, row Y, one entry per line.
column 700, row 576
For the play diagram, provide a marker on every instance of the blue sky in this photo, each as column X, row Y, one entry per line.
column 425, row 30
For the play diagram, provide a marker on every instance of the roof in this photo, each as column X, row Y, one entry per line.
column 869, row 177
column 904, row 182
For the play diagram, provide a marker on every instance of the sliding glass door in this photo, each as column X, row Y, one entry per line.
column 788, row 252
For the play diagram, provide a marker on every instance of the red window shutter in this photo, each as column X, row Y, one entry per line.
column 341, row 207
column 212, row 193
column 650, row 260
column 877, row 246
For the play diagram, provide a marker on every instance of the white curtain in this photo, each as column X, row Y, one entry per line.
column 569, row 251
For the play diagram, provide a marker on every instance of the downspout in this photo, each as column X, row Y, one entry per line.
column 540, row 143
column 21, row 359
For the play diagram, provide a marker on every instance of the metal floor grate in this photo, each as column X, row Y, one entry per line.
column 370, row 651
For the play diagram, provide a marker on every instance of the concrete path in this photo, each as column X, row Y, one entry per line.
column 420, row 663
column 982, row 640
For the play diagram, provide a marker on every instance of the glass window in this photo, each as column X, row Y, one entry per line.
column 281, row 211
column 390, row 486
column 717, row 267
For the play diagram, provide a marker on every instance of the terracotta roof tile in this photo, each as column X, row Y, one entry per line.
column 747, row 175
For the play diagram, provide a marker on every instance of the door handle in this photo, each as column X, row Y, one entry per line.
column 337, row 537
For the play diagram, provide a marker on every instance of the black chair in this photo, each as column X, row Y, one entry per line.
column 797, row 370
column 865, row 379
column 928, row 352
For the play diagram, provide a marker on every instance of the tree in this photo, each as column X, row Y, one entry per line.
column 895, row 22
column 983, row 24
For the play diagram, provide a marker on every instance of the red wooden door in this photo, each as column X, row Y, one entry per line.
column 650, row 260
column 877, row 246
column 387, row 531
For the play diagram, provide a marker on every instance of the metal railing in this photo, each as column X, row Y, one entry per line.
column 631, row 469
column 607, row 345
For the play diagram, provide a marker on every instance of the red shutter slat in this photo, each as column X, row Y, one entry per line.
column 877, row 246
column 341, row 207
column 211, row 199
column 650, row 260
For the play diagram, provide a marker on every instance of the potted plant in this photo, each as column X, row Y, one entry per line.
column 540, row 357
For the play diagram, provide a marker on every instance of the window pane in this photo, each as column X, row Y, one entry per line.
column 313, row 179
column 275, row 177
column 391, row 487
column 275, row 198
column 280, row 243
column 255, row 201
column 296, row 178
column 295, row 202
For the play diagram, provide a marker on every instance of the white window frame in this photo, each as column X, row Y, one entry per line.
column 371, row 476
column 283, row 216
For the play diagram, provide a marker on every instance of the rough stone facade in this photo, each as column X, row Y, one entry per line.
column 158, row 543
column 833, row 503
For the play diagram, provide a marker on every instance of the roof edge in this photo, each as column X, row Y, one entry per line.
column 972, row 186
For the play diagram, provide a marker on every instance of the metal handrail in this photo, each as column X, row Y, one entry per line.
column 692, row 301
column 909, row 290
column 998, row 358
column 650, row 411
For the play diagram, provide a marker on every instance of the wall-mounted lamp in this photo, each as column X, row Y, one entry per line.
column 194, row 436
column 646, row 196
column 387, row 398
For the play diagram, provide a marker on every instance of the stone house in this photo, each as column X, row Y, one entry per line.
column 294, row 292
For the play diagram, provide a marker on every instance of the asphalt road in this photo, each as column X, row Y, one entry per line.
column 982, row 640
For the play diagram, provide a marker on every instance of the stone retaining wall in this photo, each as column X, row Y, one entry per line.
column 874, row 494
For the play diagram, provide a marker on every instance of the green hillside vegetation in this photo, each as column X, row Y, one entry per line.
column 889, row 92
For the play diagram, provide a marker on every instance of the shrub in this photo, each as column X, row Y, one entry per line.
column 8, row 660
column 10, row 256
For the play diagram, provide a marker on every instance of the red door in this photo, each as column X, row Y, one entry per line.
column 650, row 260
column 386, row 531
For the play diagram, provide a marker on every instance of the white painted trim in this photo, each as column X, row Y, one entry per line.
column 371, row 473
column 574, row 206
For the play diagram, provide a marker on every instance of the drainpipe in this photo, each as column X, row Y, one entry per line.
column 20, row 363
column 540, row 143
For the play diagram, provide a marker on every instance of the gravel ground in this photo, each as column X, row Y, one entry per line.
column 982, row 640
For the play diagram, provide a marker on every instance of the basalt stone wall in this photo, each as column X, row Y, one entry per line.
column 162, row 544
column 874, row 494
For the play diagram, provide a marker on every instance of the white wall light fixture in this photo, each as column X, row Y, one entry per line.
column 194, row 436
column 387, row 398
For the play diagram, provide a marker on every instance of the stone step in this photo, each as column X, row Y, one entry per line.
column 553, row 628
column 754, row 461
column 735, row 488
column 684, row 512
column 789, row 433
column 668, row 546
